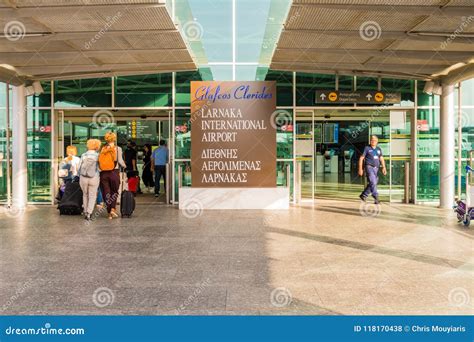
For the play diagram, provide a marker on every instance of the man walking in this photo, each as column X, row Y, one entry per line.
column 131, row 159
column 159, row 159
column 373, row 161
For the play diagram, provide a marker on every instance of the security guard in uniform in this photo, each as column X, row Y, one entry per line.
column 373, row 161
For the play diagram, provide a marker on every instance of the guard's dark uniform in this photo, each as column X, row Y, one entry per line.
column 372, row 164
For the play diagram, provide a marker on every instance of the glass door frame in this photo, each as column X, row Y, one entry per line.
column 299, row 159
column 60, row 122
column 363, row 116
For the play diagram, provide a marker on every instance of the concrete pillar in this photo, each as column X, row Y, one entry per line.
column 447, row 130
column 19, row 165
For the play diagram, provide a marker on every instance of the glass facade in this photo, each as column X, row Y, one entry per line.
column 152, row 92
column 143, row 91
column 92, row 92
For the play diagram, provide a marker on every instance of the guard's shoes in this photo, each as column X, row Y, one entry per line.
column 157, row 195
column 376, row 200
column 363, row 198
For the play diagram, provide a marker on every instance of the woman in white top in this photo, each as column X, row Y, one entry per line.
column 89, row 176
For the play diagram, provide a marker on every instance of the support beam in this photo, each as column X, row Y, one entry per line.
column 31, row 37
column 77, row 76
column 439, row 37
column 407, row 68
column 313, row 67
column 411, row 54
column 19, row 164
column 451, row 11
column 44, row 11
column 447, row 128
column 11, row 56
column 339, row 71
column 459, row 75
column 78, row 68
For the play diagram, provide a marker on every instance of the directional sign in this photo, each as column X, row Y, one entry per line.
column 366, row 97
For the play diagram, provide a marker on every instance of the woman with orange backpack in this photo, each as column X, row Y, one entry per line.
column 110, row 159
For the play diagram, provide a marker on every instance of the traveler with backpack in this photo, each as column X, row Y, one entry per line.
column 89, row 176
column 110, row 159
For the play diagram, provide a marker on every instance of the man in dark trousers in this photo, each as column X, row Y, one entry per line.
column 131, row 159
column 373, row 158
column 159, row 159
column 131, row 162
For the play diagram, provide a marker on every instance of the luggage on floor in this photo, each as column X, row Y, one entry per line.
column 133, row 184
column 71, row 201
column 127, row 203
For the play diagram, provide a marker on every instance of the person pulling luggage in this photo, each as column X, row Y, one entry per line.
column 373, row 158
column 68, row 169
column 132, row 170
column 110, row 159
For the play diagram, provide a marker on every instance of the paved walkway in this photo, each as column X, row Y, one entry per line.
column 326, row 259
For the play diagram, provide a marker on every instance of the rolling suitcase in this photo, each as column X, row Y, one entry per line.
column 127, row 199
column 133, row 184
column 127, row 203
column 71, row 201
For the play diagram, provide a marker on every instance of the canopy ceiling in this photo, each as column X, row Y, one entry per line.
column 60, row 39
column 419, row 39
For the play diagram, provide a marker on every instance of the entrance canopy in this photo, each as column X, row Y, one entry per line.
column 57, row 39
column 417, row 39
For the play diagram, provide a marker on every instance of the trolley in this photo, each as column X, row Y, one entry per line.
column 465, row 209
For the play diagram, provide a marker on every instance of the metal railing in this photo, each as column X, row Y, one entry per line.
column 168, row 183
column 406, row 198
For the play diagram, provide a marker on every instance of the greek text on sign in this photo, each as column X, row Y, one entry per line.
column 368, row 97
column 233, row 136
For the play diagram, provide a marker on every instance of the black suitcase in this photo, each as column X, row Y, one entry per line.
column 127, row 203
column 71, row 202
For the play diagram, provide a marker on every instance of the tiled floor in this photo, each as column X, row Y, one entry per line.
column 330, row 258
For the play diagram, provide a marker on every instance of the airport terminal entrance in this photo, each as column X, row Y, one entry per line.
column 75, row 127
column 329, row 144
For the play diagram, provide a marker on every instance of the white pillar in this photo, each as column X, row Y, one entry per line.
column 447, row 129
column 19, row 165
